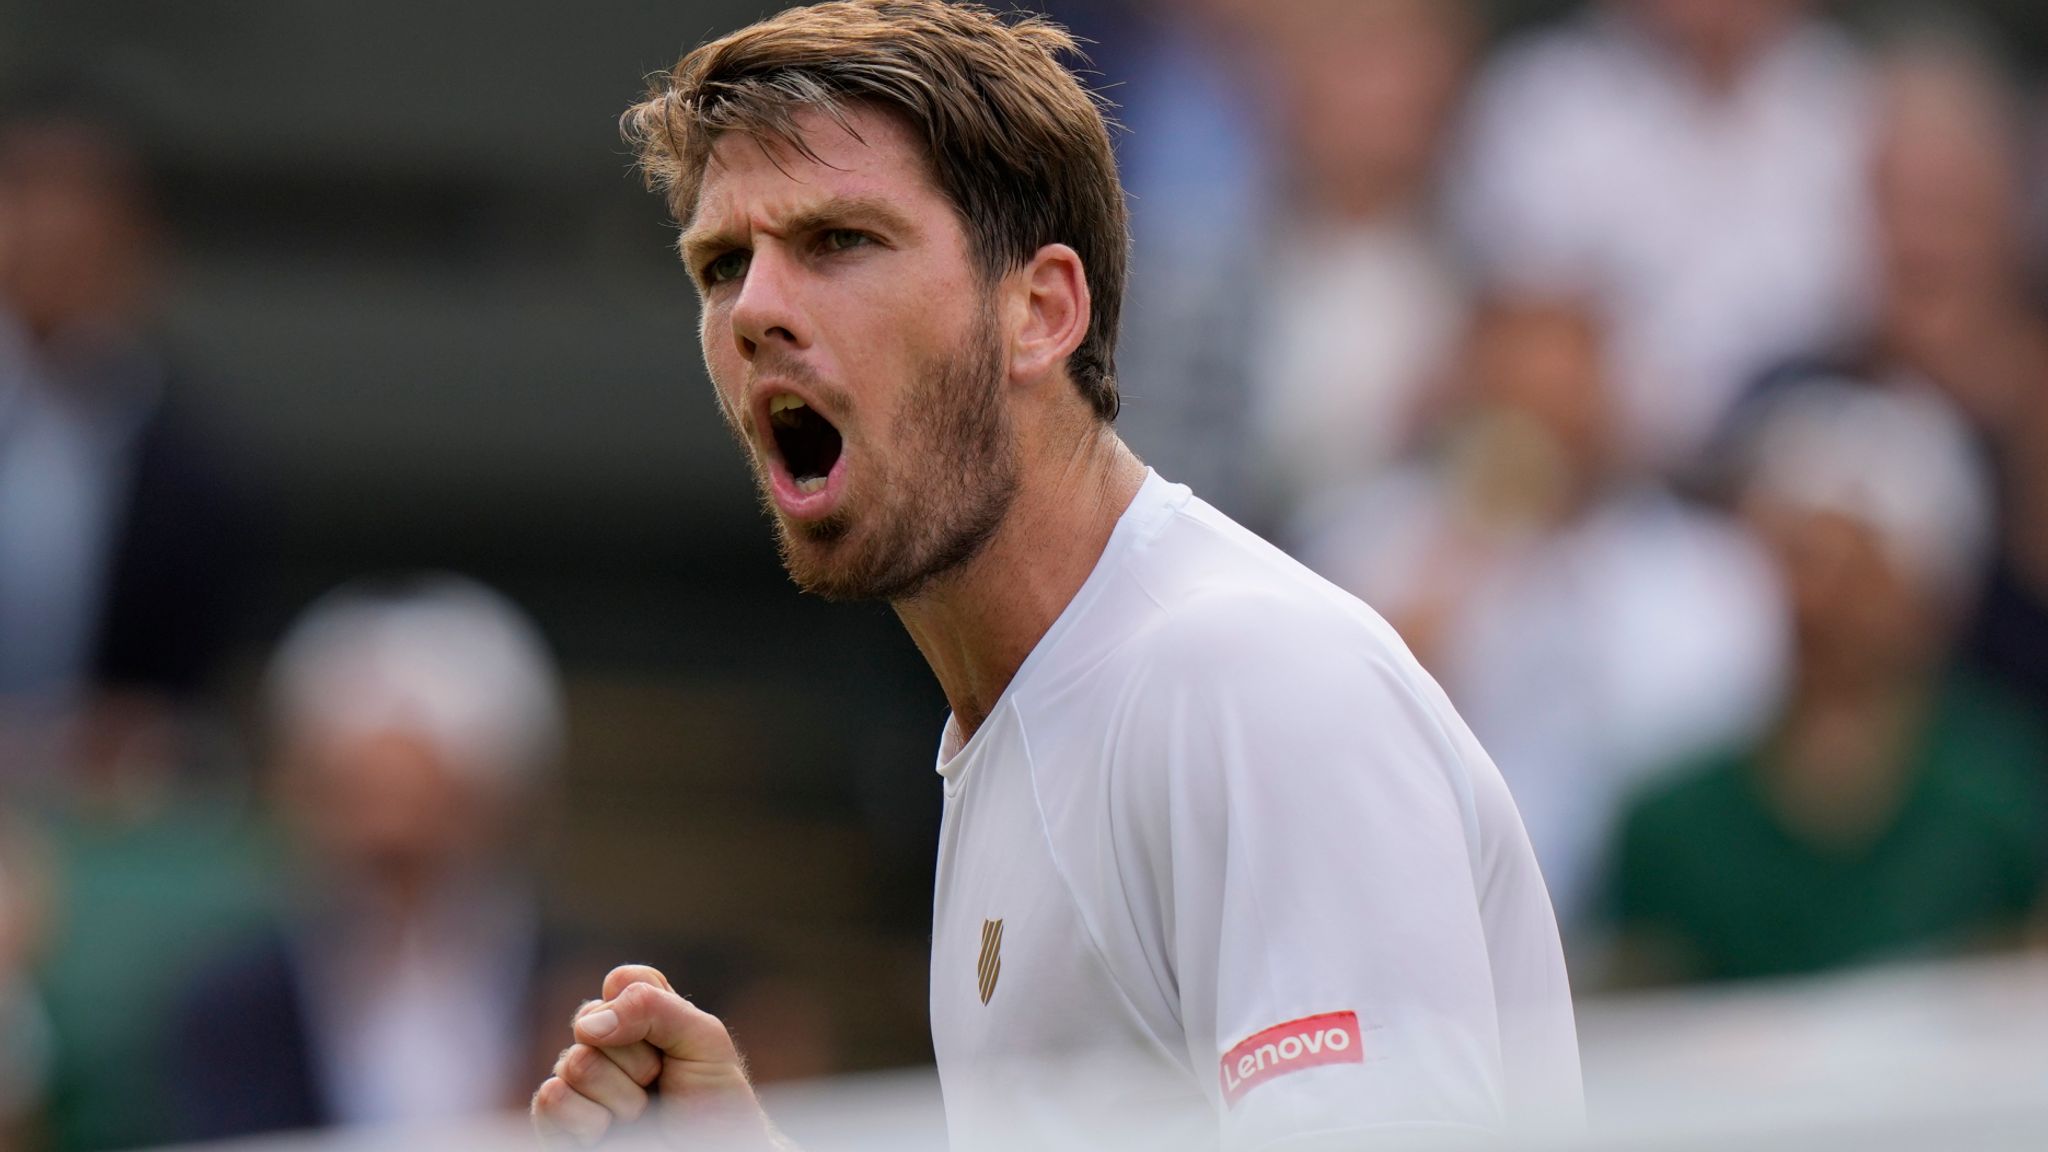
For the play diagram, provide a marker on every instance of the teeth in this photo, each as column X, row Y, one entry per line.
column 783, row 403
column 811, row 485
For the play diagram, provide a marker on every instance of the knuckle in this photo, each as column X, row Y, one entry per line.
column 646, row 1065
column 562, row 1059
column 581, row 1063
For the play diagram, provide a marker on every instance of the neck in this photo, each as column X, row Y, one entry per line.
column 976, row 625
column 1717, row 64
column 1844, row 756
column 1720, row 75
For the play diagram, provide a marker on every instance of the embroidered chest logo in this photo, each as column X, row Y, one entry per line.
column 991, row 965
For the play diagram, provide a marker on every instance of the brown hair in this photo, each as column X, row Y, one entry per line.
column 1016, row 143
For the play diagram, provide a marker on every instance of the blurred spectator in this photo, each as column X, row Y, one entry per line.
column 2009, row 640
column 1697, row 165
column 1957, row 312
column 1961, row 315
column 124, row 534
column 2034, row 100
column 416, row 728
column 1357, row 304
column 1588, row 626
column 151, row 874
column 25, row 1043
column 1298, row 315
column 1957, row 308
column 1891, row 811
column 125, row 542
column 1197, row 166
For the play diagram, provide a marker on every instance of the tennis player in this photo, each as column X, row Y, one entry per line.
column 1220, row 865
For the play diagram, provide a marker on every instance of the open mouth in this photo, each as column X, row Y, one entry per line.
column 808, row 443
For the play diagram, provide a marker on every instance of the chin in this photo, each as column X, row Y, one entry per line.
column 820, row 562
column 841, row 571
column 831, row 583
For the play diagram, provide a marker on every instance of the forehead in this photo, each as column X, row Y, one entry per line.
column 866, row 154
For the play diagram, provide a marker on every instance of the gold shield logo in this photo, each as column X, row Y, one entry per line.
column 991, row 965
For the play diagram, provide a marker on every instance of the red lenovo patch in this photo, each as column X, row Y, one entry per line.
column 1331, row 1038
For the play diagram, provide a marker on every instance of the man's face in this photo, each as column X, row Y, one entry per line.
column 1545, row 363
column 1858, row 614
column 854, row 348
column 1369, row 86
column 386, row 807
column 1948, row 194
column 73, row 233
column 1720, row 34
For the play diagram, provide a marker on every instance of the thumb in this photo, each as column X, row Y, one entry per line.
column 679, row 1029
column 626, row 975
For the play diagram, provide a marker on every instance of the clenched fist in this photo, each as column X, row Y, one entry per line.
column 644, row 1051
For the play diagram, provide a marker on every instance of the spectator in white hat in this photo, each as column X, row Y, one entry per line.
column 415, row 726
column 1894, row 808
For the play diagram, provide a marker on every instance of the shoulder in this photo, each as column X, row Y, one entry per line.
column 1674, row 836
column 1283, row 628
column 1988, row 746
column 1975, row 707
column 1233, row 681
column 1244, row 647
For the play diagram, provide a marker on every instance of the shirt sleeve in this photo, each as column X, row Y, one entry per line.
column 1323, row 866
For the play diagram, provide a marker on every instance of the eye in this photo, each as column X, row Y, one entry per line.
column 723, row 269
column 841, row 239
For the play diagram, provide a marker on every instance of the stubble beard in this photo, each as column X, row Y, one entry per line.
column 942, row 501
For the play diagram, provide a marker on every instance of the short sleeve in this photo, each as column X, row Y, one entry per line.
column 1329, row 955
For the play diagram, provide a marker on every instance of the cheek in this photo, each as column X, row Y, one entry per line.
column 722, row 364
column 709, row 339
column 888, row 353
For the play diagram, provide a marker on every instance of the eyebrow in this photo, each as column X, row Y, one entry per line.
column 851, row 211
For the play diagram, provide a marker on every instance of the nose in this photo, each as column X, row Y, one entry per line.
column 767, row 310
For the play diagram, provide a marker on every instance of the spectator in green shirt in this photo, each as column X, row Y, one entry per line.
column 1893, row 810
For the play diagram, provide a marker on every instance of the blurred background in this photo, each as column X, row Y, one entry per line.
column 390, row 642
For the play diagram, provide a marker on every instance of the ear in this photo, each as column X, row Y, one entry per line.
column 1049, row 313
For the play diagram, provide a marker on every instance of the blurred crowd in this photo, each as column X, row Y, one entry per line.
column 1670, row 376
column 246, row 884
column 1673, row 376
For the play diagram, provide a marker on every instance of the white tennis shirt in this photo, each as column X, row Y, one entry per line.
column 1224, row 868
